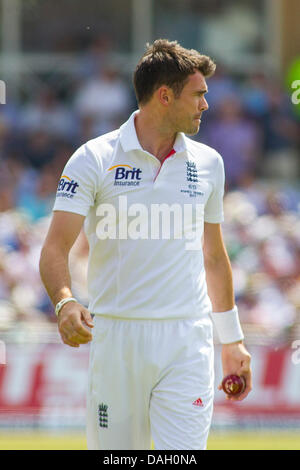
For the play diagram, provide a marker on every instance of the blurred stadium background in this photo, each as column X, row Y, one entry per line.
column 67, row 67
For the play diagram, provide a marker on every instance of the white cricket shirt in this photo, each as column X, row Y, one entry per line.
column 144, row 222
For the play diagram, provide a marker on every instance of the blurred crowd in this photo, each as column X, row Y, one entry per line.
column 251, row 122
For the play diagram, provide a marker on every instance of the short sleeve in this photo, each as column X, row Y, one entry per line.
column 214, row 212
column 79, row 183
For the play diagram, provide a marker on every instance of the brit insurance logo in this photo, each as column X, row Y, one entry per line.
column 67, row 187
column 126, row 175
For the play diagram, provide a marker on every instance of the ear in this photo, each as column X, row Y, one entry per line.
column 164, row 95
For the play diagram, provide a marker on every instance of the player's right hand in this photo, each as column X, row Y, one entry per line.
column 70, row 324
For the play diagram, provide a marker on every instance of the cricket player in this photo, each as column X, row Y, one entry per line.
column 159, row 277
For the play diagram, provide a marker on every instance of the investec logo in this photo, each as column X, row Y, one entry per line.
column 126, row 175
column 67, row 187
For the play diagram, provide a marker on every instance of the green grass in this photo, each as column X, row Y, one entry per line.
column 41, row 440
column 255, row 440
column 243, row 440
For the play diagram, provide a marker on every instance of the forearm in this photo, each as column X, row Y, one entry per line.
column 220, row 283
column 54, row 271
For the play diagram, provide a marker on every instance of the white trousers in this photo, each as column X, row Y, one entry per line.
column 150, row 379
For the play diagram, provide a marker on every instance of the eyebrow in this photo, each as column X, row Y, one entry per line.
column 201, row 92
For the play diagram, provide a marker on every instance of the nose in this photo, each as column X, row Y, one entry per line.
column 204, row 104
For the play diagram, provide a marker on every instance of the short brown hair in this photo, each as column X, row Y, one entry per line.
column 168, row 63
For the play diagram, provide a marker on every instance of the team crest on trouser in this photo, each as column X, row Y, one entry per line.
column 103, row 415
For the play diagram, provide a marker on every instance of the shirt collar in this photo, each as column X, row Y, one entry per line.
column 128, row 137
column 130, row 141
column 180, row 144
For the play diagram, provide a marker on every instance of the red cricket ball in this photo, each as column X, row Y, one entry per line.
column 233, row 384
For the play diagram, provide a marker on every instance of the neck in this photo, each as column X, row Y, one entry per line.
column 154, row 136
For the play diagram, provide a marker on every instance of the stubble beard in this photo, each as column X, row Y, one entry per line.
column 189, row 127
column 192, row 129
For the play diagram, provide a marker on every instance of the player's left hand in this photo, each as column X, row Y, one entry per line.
column 236, row 360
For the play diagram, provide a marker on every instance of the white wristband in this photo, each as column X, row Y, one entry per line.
column 60, row 304
column 228, row 326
